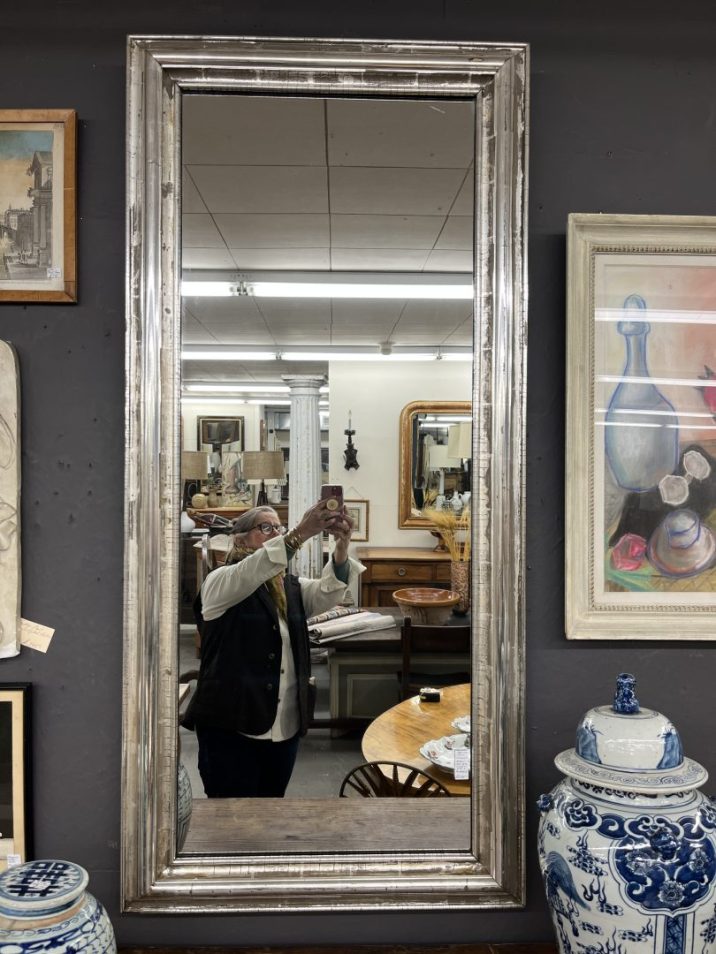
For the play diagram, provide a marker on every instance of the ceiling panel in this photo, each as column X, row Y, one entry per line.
column 465, row 202
column 281, row 259
column 417, row 133
column 456, row 233
column 223, row 309
column 191, row 201
column 253, row 130
column 378, row 259
column 200, row 231
column 211, row 258
column 385, row 231
column 306, row 230
column 449, row 260
column 394, row 191
column 262, row 188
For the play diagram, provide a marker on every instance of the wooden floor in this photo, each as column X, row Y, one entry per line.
column 221, row 826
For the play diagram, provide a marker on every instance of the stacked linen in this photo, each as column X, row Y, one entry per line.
column 349, row 625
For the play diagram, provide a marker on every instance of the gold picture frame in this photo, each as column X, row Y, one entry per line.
column 38, row 199
column 15, row 841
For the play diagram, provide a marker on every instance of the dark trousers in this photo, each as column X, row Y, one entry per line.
column 234, row 766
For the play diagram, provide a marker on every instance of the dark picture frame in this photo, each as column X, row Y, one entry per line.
column 214, row 431
column 15, row 774
column 38, row 199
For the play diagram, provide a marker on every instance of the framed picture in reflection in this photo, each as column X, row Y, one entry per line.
column 15, row 842
column 641, row 427
column 358, row 512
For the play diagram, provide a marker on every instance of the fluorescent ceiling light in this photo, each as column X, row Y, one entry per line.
column 438, row 286
column 222, row 354
column 356, row 356
column 239, row 388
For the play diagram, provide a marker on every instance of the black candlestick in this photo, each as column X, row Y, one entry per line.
column 350, row 454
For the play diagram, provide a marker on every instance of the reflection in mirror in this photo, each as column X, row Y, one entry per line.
column 327, row 263
column 435, row 461
column 301, row 268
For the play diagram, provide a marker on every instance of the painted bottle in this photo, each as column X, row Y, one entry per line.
column 641, row 433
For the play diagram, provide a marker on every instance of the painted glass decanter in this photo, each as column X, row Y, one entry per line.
column 627, row 845
column 641, row 434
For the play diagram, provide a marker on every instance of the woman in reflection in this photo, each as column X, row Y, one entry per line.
column 251, row 703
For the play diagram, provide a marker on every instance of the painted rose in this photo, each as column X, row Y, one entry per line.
column 629, row 552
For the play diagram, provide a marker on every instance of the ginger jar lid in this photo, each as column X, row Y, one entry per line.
column 41, row 888
column 633, row 749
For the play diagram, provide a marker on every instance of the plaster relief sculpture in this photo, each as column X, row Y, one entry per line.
column 9, row 503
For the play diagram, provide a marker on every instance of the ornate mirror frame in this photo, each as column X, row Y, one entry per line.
column 490, row 873
column 406, row 518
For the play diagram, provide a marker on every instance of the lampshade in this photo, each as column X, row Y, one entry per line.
column 439, row 457
column 262, row 465
column 194, row 465
column 460, row 440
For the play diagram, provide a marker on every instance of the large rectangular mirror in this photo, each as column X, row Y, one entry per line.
column 321, row 234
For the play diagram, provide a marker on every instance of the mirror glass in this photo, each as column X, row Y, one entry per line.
column 321, row 234
column 330, row 240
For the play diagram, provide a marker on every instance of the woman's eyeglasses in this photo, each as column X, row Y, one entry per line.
column 268, row 528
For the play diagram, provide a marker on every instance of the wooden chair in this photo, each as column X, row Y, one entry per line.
column 448, row 640
column 383, row 780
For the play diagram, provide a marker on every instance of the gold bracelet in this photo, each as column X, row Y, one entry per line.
column 293, row 539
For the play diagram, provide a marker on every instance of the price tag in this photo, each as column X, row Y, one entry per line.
column 462, row 764
column 13, row 860
column 35, row 636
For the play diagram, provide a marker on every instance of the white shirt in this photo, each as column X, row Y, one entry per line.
column 228, row 585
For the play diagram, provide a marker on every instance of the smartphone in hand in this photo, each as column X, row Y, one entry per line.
column 333, row 493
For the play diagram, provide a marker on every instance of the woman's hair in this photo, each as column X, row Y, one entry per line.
column 248, row 520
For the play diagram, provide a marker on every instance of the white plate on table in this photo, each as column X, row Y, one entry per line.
column 462, row 724
column 441, row 752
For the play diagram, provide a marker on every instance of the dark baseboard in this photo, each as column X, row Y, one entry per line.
column 539, row 948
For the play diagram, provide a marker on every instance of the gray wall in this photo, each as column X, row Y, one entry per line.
column 622, row 120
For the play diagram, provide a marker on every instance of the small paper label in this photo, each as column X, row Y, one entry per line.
column 54, row 271
column 35, row 636
column 462, row 764
column 13, row 860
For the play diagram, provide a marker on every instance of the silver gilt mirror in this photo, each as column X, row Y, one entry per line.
column 391, row 177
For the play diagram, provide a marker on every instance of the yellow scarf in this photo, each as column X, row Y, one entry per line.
column 274, row 585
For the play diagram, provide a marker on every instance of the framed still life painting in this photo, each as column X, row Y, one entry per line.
column 38, row 219
column 14, row 774
column 641, row 428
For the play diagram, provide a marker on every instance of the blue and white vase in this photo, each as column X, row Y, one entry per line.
column 45, row 909
column 627, row 845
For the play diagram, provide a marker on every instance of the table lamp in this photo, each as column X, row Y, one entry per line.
column 262, row 466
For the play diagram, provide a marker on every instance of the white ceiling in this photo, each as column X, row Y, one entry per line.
column 291, row 184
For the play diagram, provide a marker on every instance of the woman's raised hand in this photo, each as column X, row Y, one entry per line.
column 316, row 519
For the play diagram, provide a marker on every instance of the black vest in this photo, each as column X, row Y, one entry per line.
column 240, row 665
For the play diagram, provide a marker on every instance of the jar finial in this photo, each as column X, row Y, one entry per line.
column 625, row 702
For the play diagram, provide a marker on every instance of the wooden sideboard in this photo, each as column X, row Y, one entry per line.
column 392, row 568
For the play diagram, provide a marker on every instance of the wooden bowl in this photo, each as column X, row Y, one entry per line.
column 426, row 605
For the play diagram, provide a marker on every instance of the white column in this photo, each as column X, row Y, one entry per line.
column 305, row 464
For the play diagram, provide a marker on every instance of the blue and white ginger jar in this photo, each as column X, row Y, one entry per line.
column 627, row 845
column 45, row 909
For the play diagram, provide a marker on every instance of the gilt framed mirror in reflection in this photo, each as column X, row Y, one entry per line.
column 323, row 232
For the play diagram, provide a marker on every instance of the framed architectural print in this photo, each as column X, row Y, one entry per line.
column 14, row 774
column 358, row 511
column 641, row 428
column 38, row 220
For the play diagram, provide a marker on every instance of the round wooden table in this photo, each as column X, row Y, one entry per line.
column 397, row 734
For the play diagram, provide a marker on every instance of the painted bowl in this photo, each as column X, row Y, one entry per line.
column 426, row 605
